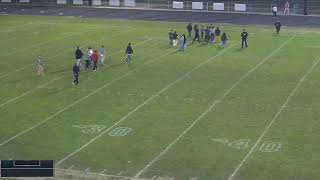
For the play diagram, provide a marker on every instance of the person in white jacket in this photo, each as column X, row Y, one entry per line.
column 274, row 11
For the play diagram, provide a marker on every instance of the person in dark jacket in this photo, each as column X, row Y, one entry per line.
column 76, row 71
column 223, row 40
column 196, row 33
column 183, row 42
column 170, row 36
column 278, row 26
column 175, row 38
column 129, row 52
column 189, row 28
column 207, row 35
column 79, row 55
column 202, row 30
column 217, row 33
column 244, row 36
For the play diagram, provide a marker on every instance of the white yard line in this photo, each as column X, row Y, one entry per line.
column 41, row 86
column 85, row 97
column 15, row 28
column 267, row 128
column 143, row 104
column 31, row 91
column 166, row 149
column 96, row 174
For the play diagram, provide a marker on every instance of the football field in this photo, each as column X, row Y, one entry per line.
column 208, row 113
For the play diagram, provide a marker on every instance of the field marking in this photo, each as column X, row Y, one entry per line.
column 103, row 171
column 87, row 170
column 85, row 97
column 143, row 104
column 267, row 128
column 90, row 129
column 77, row 172
column 220, row 99
column 58, row 77
column 15, row 28
column 120, row 131
column 267, row 146
column 31, row 91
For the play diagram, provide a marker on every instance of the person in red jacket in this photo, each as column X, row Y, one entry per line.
column 94, row 59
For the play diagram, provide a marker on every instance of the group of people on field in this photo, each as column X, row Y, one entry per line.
column 92, row 57
column 209, row 35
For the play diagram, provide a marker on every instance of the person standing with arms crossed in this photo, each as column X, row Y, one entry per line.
column 244, row 36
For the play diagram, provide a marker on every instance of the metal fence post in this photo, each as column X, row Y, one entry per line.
column 207, row 6
column 228, row 5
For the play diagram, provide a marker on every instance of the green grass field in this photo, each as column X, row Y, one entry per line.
column 207, row 113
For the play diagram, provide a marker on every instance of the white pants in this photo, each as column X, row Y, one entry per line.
column 78, row 62
column 175, row 42
column 102, row 57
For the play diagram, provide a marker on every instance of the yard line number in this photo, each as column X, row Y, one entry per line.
column 94, row 129
column 268, row 146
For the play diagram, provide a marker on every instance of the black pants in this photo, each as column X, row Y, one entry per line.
column 87, row 63
column 94, row 65
column 274, row 13
column 278, row 30
column 202, row 33
column 244, row 42
column 76, row 79
column 189, row 35
column 196, row 37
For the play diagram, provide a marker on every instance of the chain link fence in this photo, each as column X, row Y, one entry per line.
column 297, row 7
